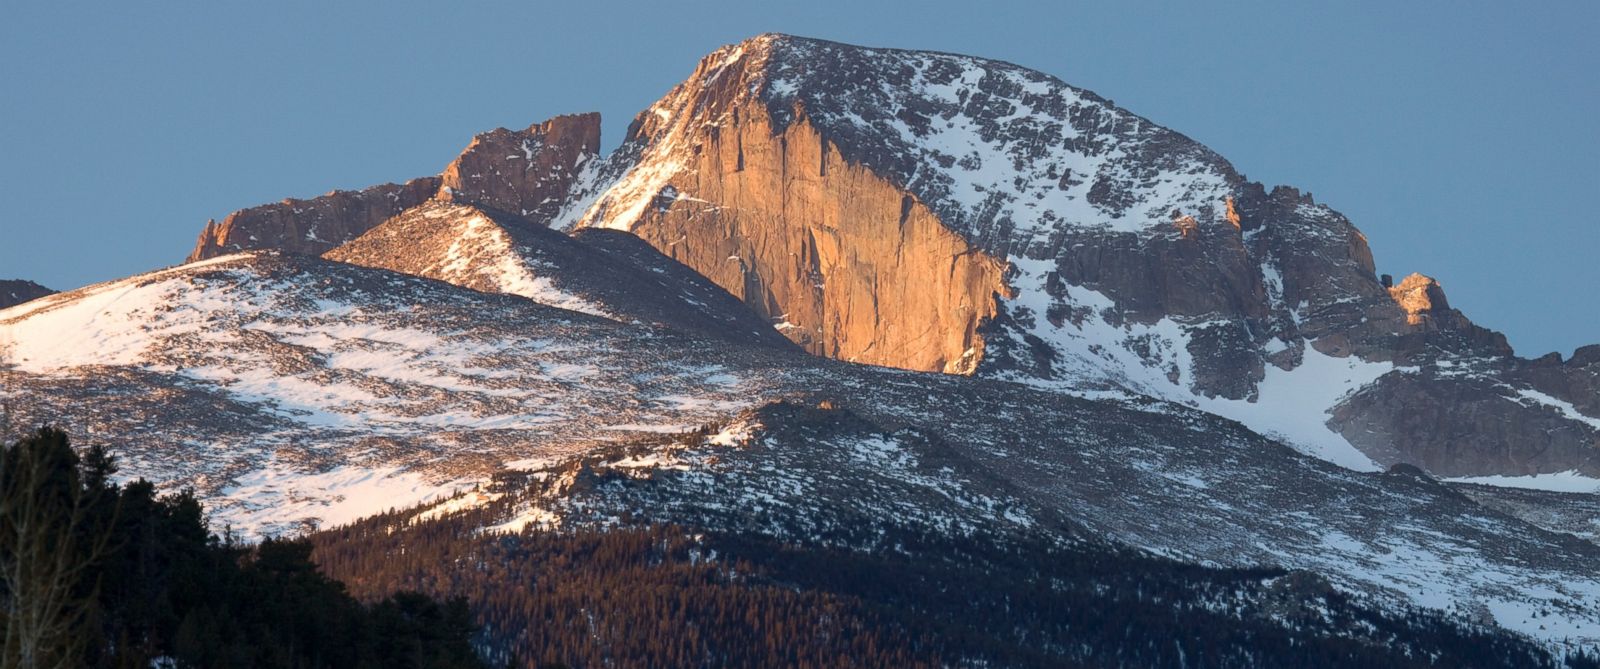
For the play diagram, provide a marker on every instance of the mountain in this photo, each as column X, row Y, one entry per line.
column 294, row 392
column 526, row 172
column 17, row 291
column 945, row 213
column 937, row 212
column 267, row 369
column 920, row 314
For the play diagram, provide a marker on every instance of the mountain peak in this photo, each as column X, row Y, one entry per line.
column 1002, row 153
column 527, row 172
column 942, row 212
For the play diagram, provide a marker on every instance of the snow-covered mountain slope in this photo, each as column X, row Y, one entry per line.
column 290, row 390
column 286, row 387
column 493, row 251
column 947, row 213
column 828, row 475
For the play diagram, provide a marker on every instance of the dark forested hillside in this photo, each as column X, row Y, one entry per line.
column 657, row 596
column 93, row 574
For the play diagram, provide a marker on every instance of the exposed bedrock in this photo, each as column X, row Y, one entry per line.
column 313, row 225
column 527, row 172
column 16, row 291
column 844, row 263
column 1466, row 425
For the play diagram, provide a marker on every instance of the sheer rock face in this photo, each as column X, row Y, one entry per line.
column 16, row 291
column 841, row 261
column 768, row 205
column 310, row 226
column 527, row 172
column 497, row 252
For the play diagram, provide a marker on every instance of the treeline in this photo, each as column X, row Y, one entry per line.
column 93, row 574
column 672, row 597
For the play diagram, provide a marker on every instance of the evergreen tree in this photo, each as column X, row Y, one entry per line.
column 96, row 575
column 51, row 535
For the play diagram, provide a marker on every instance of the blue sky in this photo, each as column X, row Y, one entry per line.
column 1460, row 136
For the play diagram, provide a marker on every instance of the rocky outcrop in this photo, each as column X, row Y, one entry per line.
column 525, row 172
column 16, row 291
column 1420, row 297
column 596, row 273
column 1455, row 422
column 528, row 172
column 310, row 226
column 1575, row 380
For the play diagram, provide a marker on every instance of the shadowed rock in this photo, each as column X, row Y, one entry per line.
column 498, row 252
column 16, row 291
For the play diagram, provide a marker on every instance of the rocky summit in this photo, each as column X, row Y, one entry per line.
column 862, row 301
column 945, row 213
column 526, row 172
column 17, row 291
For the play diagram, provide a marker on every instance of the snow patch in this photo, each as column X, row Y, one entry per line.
column 261, row 501
column 1564, row 407
column 1153, row 359
column 1568, row 481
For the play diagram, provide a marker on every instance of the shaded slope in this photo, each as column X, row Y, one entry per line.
column 668, row 596
column 484, row 249
column 286, row 387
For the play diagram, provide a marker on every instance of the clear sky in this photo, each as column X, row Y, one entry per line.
column 1460, row 136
